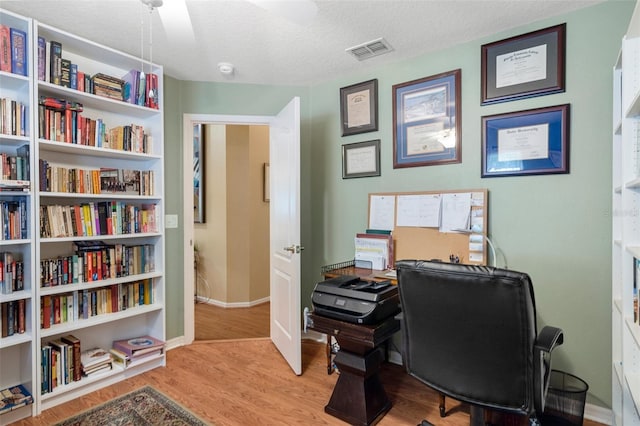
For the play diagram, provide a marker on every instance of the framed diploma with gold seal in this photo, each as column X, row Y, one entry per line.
column 524, row 66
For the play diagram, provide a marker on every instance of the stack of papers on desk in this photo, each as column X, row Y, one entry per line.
column 374, row 251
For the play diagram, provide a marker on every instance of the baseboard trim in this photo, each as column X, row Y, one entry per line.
column 220, row 304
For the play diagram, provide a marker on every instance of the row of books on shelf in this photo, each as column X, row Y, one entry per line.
column 11, row 272
column 61, row 120
column 13, row 219
column 97, row 261
column 96, row 218
column 64, row 360
column 134, row 87
column 54, row 178
column 13, row 50
column 88, row 303
column 15, row 167
column 13, row 317
column 14, row 397
column 13, row 117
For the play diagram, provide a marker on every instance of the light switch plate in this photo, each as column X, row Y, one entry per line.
column 171, row 221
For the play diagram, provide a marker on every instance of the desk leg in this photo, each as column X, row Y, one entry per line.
column 359, row 397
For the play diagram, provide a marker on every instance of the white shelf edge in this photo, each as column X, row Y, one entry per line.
column 16, row 295
column 67, row 288
column 77, row 149
column 98, row 319
column 633, row 110
column 16, row 339
column 15, row 242
column 617, row 127
column 633, row 250
column 635, row 183
column 103, row 195
column 100, row 237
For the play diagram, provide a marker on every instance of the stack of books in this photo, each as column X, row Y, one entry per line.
column 13, row 398
column 95, row 360
column 127, row 351
column 108, row 86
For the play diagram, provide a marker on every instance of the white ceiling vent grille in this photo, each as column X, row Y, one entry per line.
column 370, row 49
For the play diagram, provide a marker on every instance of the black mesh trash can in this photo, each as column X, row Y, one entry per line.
column 565, row 400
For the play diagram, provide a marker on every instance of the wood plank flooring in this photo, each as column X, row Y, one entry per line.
column 248, row 382
column 216, row 323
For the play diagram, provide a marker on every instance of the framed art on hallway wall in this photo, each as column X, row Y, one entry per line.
column 198, row 174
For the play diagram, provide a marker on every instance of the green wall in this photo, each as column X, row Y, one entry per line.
column 555, row 227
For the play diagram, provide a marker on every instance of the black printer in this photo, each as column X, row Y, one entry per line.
column 352, row 299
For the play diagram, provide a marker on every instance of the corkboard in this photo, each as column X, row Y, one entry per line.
column 430, row 243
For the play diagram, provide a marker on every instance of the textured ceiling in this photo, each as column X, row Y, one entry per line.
column 267, row 48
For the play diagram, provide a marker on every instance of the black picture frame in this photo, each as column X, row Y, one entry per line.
column 198, row 174
column 361, row 159
column 524, row 66
column 359, row 108
column 427, row 121
column 531, row 142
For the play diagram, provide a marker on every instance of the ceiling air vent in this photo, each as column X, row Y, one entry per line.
column 370, row 49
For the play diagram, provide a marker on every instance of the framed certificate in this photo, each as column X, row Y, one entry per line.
column 524, row 66
column 427, row 121
column 361, row 159
column 359, row 108
column 532, row 142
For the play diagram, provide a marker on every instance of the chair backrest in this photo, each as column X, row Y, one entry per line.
column 469, row 332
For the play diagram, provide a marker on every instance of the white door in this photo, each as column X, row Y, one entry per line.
column 284, row 160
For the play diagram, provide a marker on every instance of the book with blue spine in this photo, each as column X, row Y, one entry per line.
column 18, row 51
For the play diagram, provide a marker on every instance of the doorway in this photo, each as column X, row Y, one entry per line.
column 189, row 239
column 231, row 237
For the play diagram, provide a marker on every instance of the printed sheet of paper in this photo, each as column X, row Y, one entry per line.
column 419, row 210
column 456, row 209
column 382, row 212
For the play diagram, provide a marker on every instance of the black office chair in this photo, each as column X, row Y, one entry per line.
column 469, row 332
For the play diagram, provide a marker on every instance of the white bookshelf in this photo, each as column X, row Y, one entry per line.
column 21, row 353
column 626, row 228
column 18, row 351
column 146, row 319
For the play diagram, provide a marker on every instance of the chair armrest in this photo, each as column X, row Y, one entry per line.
column 547, row 340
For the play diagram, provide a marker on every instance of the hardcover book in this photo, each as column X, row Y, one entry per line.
column 94, row 357
column 42, row 59
column 5, row 49
column 18, row 51
column 55, row 55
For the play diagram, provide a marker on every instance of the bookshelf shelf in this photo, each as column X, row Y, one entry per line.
column 625, row 278
column 16, row 295
column 101, row 237
column 66, row 288
column 69, row 327
column 68, row 148
column 16, row 339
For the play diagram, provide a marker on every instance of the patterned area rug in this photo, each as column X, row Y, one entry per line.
column 145, row 406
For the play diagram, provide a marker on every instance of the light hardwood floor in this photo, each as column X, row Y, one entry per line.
column 248, row 382
column 216, row 323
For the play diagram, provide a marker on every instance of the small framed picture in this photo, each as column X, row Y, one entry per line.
column 531, row 142
column 359, row 108
column 427, row 121
column 524, row 66
column 361, row 159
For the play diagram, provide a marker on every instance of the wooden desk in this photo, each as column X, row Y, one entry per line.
column 358, row 397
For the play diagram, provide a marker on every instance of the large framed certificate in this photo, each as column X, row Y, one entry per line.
column 524, row 66
column 427, row 121
column 531, row 142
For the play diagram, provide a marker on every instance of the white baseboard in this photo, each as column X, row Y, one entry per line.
column 221, row 304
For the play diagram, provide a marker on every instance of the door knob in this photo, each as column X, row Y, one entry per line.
column 294, row 248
